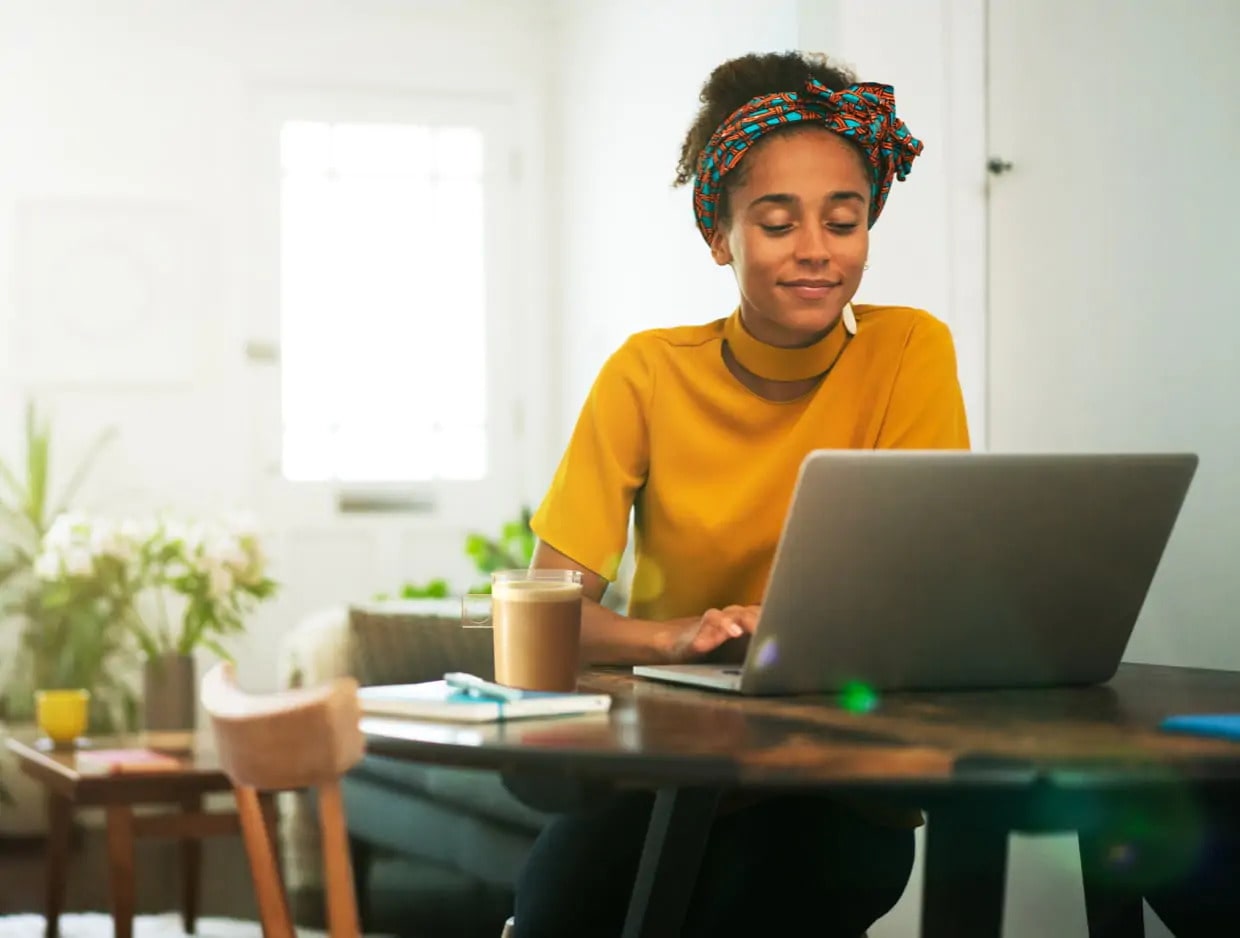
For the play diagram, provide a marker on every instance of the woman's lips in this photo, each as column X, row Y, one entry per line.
column 810, row 289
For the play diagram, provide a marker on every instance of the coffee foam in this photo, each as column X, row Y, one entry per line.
column 532, row 591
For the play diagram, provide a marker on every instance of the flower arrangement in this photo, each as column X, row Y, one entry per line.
column 175, row 585
column 84, row 584
column 216, row 573
column 54, row 634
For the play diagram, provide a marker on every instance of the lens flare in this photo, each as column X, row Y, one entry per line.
column 856, row 697
column 768, row 653
column 648, row 583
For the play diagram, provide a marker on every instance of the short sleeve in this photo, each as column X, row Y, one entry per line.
column 585, row 513
column 926, row 408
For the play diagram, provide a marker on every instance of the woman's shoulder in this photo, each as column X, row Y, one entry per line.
column 895, row 318
column 900, row 325
column 649, row 346
column 670, row 338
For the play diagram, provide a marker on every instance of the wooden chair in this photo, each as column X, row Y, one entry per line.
column 298, row 739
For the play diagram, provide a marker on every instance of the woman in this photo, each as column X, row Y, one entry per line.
column 699, row 431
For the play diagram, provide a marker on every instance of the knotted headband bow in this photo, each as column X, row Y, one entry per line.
column 864, row 113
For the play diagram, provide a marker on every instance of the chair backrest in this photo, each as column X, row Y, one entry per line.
column 296, row 739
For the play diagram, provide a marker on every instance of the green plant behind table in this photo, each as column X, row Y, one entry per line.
column 511, row 549
column 65, row 634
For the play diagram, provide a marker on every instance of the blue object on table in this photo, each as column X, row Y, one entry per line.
column 1223, row 725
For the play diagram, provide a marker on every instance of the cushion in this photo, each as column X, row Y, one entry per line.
column 413, row 641
column 417, row 826
column 476, row 791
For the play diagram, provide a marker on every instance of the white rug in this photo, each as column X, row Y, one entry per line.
column 168, row 925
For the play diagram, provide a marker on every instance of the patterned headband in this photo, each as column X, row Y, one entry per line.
column 864, row 113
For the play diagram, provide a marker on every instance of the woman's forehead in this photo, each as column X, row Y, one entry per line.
column 808, row 158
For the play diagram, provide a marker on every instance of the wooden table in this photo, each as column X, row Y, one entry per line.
column 981, row 764
column 119, row 794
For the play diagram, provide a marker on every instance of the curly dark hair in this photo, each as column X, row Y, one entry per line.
column 735, row 83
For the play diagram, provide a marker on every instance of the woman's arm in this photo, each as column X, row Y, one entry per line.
column 607, row 637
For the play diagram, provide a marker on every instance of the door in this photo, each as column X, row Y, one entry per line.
column 1112, row 298
column 1113, row 272
column 387, row 349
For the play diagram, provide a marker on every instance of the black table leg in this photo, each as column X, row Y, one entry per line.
column 965, row 877
column 671, row 857
column 1111, row 910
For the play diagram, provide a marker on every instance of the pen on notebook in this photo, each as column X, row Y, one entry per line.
column 477, row 686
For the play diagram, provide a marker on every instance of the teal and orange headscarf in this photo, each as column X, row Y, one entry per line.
column 864, row 113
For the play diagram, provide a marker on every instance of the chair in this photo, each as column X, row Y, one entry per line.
column 291, row 740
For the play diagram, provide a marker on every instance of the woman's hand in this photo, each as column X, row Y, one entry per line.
column 697, row 636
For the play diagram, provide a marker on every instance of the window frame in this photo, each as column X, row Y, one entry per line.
column 498, row 493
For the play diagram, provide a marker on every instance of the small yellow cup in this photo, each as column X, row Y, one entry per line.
column 62, row 714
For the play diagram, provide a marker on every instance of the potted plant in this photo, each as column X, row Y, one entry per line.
column 198, row 581
column 61, row 629
column 513, row 549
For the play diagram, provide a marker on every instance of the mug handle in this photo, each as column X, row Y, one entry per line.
column 470, row 620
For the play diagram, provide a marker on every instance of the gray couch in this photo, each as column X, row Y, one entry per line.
column 435, row 849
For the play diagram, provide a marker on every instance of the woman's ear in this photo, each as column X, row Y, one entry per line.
column 719, row 248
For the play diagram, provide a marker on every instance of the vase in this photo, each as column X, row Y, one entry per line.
column 169, row 699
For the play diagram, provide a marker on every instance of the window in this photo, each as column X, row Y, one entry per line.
column 383, row 302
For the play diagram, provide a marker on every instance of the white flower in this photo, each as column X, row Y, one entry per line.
column 47, row 565
column 78, row 562
column 106, row 540
column 242, row 525
column 67, row 528
column 138, row 532
column 226, row 551
column 219, row 580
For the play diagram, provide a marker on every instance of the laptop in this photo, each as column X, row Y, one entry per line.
column 951, row 570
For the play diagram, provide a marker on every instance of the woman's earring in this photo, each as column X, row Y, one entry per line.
column 866, row 267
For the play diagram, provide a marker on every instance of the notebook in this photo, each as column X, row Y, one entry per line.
column 436, row 700
column 125, row 762
column 1224, row 725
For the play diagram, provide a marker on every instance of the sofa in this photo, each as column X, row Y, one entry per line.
column 435, row 849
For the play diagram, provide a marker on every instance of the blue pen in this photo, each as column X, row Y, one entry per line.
column 480, row 688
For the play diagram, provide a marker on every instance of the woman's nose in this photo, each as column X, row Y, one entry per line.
column 812, row 244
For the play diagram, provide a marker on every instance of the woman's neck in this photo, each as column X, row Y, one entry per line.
column 780, row 373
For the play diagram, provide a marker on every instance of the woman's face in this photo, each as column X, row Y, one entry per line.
column 796, row 234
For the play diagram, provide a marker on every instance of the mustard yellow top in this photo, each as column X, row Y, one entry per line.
column 708, row 467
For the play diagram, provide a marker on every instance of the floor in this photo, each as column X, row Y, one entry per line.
column 226, row 889
column 99, row 925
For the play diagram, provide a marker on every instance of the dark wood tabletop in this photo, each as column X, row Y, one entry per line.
column 667, row 734
column 198, row 772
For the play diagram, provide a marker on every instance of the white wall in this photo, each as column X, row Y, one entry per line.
column 141, row 102
column 630, row 256
column 148, row 106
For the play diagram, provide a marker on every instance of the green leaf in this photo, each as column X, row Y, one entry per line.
column 38, row 466
column 83, row 469
column 16, row 490
column 217, row 649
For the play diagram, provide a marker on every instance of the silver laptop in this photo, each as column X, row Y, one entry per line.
column 901, row 569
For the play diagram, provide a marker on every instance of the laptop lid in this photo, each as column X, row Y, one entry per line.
column 951, row 569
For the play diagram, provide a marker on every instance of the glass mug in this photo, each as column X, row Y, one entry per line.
column 535, row 621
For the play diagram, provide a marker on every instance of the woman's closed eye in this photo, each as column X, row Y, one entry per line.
column 839, row 227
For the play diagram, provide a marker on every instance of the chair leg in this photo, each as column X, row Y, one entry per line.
column 260, row 848
column 1111, row 910
column 191, row 869
column 337, row 869
column 360, row 855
